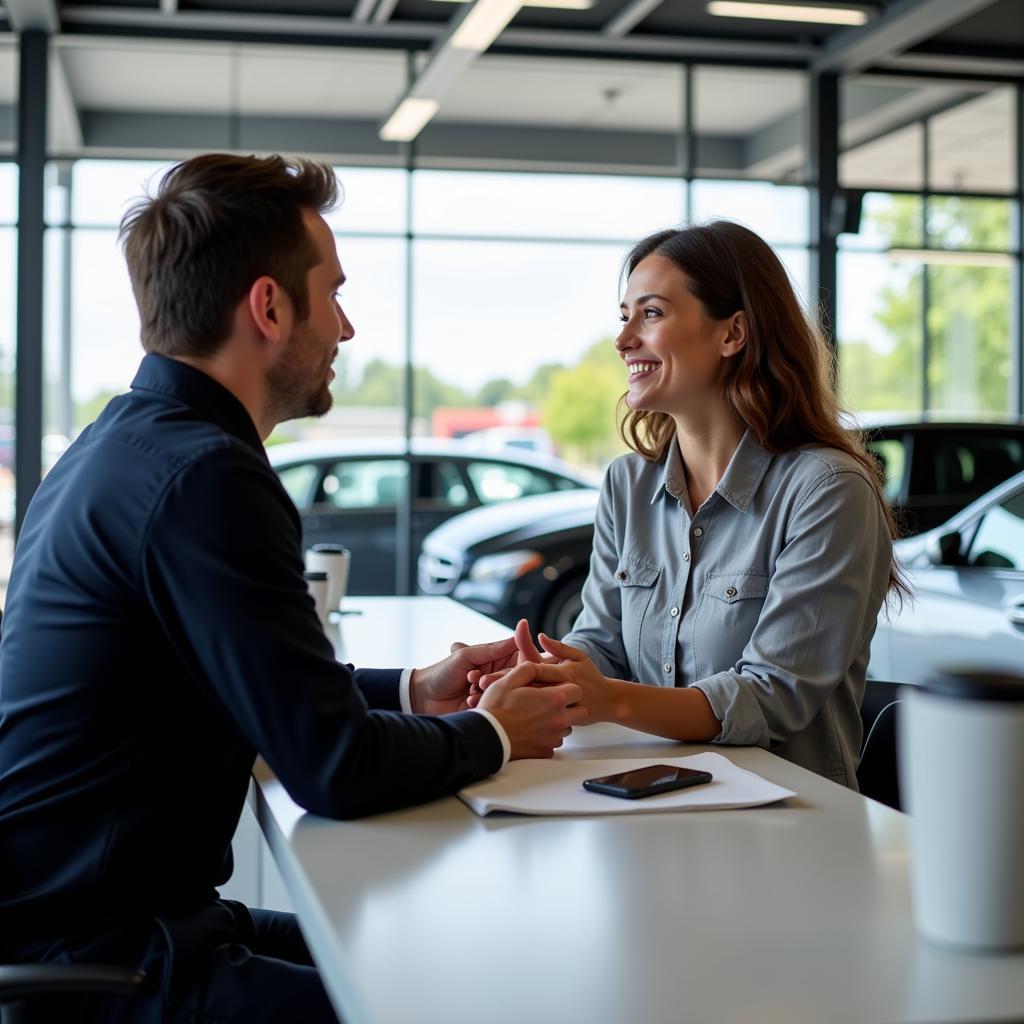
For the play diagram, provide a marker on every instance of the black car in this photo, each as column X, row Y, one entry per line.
column 530, row 557
column 348, row 492
column 524, row 559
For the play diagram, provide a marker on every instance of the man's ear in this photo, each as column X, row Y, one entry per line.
column 735, row 339
column 270, row 309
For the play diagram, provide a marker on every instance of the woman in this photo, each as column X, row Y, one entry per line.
column 741, row 555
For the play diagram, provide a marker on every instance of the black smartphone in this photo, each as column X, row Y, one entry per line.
column 646, row 781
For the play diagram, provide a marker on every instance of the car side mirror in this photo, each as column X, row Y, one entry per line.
column 945, row 549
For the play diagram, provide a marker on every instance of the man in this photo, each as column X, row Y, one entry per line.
column 158, row 633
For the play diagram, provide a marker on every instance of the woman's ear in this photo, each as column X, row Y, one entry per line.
column 736, row 335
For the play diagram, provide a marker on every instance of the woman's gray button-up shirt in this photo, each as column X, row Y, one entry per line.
column 766, row 598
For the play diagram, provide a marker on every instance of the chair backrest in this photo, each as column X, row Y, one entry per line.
column 21, row 984
column 877, row 773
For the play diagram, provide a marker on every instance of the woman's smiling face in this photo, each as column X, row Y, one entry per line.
column 673, row 350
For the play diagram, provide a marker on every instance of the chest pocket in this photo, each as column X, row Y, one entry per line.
column 636, row 582
column 729, row 609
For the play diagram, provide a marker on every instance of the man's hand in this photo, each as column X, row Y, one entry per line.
column 536, row 719
column 443, row 688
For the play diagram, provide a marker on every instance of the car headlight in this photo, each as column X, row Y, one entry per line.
column 509, row 565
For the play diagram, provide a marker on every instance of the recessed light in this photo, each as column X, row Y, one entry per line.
column 788, row 12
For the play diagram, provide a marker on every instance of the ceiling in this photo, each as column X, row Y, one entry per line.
column 597, row 89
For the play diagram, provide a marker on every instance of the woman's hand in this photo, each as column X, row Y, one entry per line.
column 526, row 651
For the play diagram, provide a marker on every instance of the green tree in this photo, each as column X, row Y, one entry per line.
column 579, row 411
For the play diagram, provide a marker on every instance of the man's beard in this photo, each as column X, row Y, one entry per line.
column 294, row 390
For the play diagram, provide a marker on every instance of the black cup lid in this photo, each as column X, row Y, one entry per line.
column 330, row 549
column 968, row 684
column 314, row 575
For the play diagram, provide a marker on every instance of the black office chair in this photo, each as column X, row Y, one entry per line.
column 23, row 984
column 877, row 773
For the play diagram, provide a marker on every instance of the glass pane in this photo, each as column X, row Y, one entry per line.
column 999, row 542
column 8, row 193
column 880, row 333
column 104, row 323
column 519, row 334
column 102, row 190
column 887, row 221
column 750, row 124
column 373, row 199
column 797, row 264
column 368, row 483
column 543, row 205
column 777, row 213
column 441, row 485
column 971, row 145
column 368, row 384
column 960, row 223
column 969, row 328
column 8, row 310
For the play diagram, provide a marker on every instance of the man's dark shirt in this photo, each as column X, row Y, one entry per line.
column 158, row 634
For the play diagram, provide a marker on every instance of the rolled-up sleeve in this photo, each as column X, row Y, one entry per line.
column 829, row 577
column 598, row 630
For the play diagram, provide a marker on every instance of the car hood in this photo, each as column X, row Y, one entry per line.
column 544, row 513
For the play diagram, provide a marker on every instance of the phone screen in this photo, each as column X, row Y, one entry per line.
column 654, row 778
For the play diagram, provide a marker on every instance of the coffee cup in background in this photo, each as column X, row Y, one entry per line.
column 333, row 559
column 316, row 582
column 961, row 760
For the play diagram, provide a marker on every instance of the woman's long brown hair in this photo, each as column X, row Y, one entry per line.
column 780, row 384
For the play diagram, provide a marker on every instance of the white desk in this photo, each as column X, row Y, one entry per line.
column 791, row 913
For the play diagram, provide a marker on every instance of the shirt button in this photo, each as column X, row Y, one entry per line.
column 698, row 532
column 674, row 612
column 686, row 556
column 730, row 591
column 621, row 575
column 667, row 666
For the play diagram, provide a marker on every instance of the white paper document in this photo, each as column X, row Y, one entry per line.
column 556, row 787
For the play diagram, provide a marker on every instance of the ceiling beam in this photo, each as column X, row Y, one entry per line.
column 168, row 7
column 363, row 10
column 902, row 25
column 323, row 31
column 384, row 11
column 629, row 17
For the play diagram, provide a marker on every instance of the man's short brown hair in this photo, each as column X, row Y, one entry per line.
column 216, row 224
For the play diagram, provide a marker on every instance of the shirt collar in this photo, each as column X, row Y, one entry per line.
column 742, row 476
column 198, row 391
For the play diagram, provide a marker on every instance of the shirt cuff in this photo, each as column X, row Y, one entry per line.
column 404, row 700
column 506, row 747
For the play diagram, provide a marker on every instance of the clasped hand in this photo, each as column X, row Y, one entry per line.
column 557, row 664
column 535, row 720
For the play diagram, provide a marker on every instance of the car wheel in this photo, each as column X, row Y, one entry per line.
column 564, row 606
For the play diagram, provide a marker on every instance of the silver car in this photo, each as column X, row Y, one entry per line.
column 967, row 578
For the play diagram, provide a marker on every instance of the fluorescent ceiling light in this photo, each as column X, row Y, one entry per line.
column 483, row 23
column 951, row 258
column 787, row 12
column 408, row 119
column 564, row 5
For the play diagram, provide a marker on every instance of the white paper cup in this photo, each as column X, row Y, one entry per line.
column 961, row 738
column 334, row 560
column 317, row 584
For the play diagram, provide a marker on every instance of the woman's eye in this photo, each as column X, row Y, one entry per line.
column 650, row 311
column 623, row 318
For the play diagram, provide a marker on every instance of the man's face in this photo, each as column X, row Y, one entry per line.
column 299, row 383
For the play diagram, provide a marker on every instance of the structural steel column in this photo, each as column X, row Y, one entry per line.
column 32, row 110
column 824, row 174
